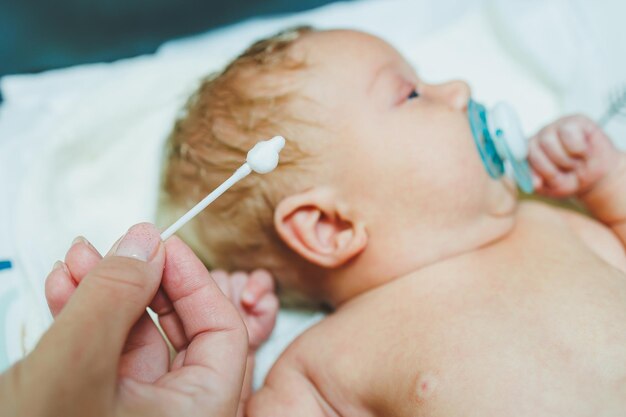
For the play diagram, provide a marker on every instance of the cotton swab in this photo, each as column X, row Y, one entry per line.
column 262, row 158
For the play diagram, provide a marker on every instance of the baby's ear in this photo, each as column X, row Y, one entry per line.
column 312, row 225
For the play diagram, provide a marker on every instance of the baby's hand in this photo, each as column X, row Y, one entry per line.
column 570, row 156
column 253, row 295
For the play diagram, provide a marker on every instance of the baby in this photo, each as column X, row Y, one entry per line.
column 450, row 297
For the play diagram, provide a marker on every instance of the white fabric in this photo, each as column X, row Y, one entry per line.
column 80, row 148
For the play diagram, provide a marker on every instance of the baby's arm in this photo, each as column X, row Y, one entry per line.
column 287, row 392
column 253, row 295
column 574, row 157
column 607, row 200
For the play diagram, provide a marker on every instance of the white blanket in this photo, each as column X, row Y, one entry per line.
column 80, row 147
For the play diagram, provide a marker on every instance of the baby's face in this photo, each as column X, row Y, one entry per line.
column 400, row 149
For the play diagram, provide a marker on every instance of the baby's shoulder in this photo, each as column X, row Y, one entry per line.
column 599, row 238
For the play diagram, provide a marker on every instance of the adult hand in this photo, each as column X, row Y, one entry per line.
column 103, row 356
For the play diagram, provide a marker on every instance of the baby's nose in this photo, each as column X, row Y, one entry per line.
column 455, row 94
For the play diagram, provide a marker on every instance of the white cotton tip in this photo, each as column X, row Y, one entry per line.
column 263, row 158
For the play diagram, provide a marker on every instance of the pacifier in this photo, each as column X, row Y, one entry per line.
column 501, row 142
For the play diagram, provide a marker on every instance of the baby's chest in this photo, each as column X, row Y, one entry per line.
column 494, row 351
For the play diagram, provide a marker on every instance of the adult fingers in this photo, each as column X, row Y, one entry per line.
column 62, row 281
column 214, row 361
column 81, row 258
column 222, row 279
column 59, row 287
column 145, row 356
column 169, row 320
column 97, row 319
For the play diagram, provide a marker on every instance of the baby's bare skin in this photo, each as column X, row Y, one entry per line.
column 451, row 298
column 460, row 301
column 532, row 325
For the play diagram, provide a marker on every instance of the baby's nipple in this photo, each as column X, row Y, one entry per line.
column 425, row 386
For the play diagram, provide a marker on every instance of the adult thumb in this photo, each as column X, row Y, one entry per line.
column 93, row 326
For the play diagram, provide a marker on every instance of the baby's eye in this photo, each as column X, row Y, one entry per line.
column 414, row 94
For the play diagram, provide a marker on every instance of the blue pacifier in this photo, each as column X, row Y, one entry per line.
column 501, row 143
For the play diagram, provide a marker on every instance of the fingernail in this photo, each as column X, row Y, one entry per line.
column 247, row 297
column 82, row 239
column 140, row 242
column 60, row 265
column 79, row 239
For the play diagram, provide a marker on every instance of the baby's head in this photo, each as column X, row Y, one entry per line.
column 379, row 176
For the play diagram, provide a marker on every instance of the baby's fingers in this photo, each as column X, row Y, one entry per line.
column 553, row 147
column 552, row 181
column 564, row 185
column 266, row 307
column 573, row 139
column 259, row 283
column 540, row 163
